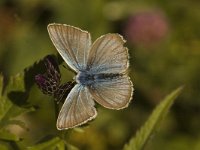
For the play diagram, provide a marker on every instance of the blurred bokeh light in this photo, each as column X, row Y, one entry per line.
column 146, row 28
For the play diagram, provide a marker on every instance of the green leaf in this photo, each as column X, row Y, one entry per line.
column 15, row 122
column 71, row 147
column 6, row 135
column 5, row 145
column 16, row 83
column 80, row 130
column 6, row 106
column 8, row 110
column 142, row 136
column 50, row 145
column 15, row 111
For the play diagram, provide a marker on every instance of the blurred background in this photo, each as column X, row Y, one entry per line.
column 164, row 44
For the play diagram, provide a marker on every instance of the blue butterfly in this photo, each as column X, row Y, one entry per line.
column 101, row 70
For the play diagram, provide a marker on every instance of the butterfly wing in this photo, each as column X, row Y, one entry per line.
column 113, row 93
column 108, row 55
column 72, row 43
column 77, row 109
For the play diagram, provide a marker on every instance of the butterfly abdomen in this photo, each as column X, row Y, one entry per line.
column 104, row 76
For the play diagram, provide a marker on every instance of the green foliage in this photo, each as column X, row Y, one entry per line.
column 142, row 136
column 50, row 145
column 8, row 110
column 171, row 62
column 7, row 135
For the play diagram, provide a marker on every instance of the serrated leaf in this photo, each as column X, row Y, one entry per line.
column 142, row 136
column 16, row 83
column 6, row 135
column 4, row 106
column 8, row 110
column 10, row 113
column 50, row 145
column 15, row 111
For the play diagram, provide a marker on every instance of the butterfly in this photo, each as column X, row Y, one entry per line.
column 101, row 77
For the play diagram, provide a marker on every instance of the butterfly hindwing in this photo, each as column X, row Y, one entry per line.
column 77, row 109
column 113, row 93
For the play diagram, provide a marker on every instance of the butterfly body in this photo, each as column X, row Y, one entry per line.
column 101, row 69
column 88, row 78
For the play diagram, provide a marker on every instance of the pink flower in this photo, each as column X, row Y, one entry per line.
column 146, row 28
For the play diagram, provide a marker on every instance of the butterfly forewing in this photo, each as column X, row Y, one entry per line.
column 108, row 55
column 72, row 43
column 77, row 109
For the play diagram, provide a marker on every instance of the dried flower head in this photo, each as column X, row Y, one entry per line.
column 49, row 82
